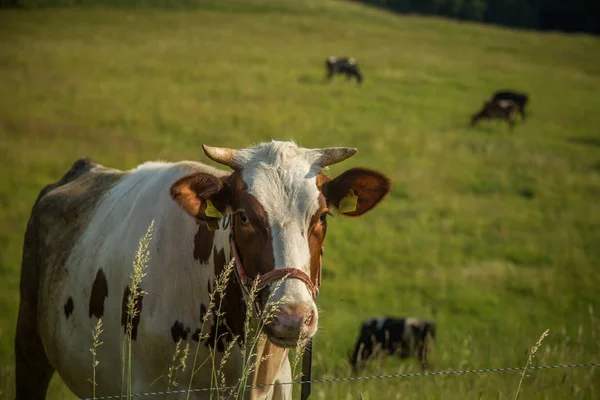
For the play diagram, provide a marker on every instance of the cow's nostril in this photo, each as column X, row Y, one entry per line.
column 274, row 321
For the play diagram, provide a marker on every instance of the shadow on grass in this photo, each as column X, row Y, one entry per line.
column 587, row 141
column 312, row 80
column 527, row 193
column 492, row 127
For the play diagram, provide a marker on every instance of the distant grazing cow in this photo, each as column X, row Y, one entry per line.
column 343, row 65
column 270, row 213
column 502, row 109
column 404, row 337
column 520, row 99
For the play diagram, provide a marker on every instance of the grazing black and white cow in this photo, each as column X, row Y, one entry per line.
column 403, row 337
column 501, row 109
column 520, row 99
column 270, row 213
column 343, row 65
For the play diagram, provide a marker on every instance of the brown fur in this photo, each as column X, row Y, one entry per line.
column 203, row 243
column 369, row 186
column 233, row 303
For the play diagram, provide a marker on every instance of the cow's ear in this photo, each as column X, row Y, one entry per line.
column 203, row 196
column 356, row 191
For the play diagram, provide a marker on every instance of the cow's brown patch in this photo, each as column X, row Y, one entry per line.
column 317, row 233
column 218, row 262
column 178, row 332
column 232, row 305
column 253, row 237
column 69, row 307
column 203, row 243
column 370, row 187
column 321, row 179
column 99, row 293
column 138, row 311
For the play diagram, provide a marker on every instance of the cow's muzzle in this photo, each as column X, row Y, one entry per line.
column 287, row 326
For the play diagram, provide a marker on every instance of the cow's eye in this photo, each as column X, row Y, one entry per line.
column 244, row 218
column 323, row 218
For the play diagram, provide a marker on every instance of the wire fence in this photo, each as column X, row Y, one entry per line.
column 353, row 379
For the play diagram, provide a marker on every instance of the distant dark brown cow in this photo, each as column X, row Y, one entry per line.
column 520, row 99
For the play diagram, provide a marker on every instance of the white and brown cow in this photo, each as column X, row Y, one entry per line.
column 84, row 230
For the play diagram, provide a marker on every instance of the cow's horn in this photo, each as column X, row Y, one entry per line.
column 333, row 155
column 222, row 155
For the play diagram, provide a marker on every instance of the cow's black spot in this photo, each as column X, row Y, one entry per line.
column 135, row 321
column 99, row 293
column 69, row 307
column 196, row 335
column 218, row 336
column 202, row 311
column 178, row 332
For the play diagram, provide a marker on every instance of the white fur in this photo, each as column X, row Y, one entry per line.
column 505, row 103
column 408, row 332
column 282, row 177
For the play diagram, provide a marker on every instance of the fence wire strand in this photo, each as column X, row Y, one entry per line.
column 351, row 379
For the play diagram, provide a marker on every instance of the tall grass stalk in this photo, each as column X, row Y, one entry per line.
column 529, row 359
column 173, row 367
column 248, row 344
column 140, row 264
column 224, row 359
column 178, row 363
column 202, row 336
column 220, row 285
column 219, row 290
column 253, row 333
column 298, row 352
column 95, row 344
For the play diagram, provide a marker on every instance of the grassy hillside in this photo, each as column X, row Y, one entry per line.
column 495, row 235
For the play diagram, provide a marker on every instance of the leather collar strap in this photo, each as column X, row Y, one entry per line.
column 271, row 276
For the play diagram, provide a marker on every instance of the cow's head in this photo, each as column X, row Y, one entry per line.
column 279, row 201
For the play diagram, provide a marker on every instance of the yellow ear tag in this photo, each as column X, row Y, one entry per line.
column 348, row 203
column 211, row 210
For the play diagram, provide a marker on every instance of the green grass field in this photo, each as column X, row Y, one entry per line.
column 494, row 235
